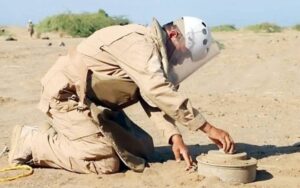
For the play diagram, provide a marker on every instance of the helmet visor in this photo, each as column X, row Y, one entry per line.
column 182, row 65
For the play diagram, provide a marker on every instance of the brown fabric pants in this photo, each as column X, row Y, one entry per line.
column 73, row 142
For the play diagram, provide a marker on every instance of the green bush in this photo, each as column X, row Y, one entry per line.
column 79, row 25
column 297, row 27
column 222, row 28
column 265, row 27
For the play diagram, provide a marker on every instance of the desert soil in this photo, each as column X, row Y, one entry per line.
column 252, row 90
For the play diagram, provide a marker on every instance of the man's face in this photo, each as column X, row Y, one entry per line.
column 180, row 52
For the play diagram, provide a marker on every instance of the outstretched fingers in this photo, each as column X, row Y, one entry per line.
column 188, row 159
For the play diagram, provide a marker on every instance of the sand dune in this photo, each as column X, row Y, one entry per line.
column 251, row 90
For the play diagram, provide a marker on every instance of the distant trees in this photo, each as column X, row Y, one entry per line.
column 297, row 27
column 221, row 28
column 265, row 27
column 84, row 24
column 79, row 25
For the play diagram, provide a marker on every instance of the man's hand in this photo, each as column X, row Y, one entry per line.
column 220, row 137
column 179, row 149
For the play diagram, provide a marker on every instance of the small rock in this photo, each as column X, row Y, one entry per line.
column 45, row 38
column 10, row 39
column 297, row 144
column 5, row 150
column 62, row 44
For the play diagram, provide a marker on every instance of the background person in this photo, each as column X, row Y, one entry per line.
column 30, row 28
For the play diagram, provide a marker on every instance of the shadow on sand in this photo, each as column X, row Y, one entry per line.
column 255, row 151
column 165, row 153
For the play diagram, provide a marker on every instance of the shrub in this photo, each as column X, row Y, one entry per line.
column 265, row 27
column 220, row 45
column 4, row 32
column 297, row 27
column 79, row 25
column 222, row 28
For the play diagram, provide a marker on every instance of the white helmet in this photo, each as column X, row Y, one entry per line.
column 198, row 41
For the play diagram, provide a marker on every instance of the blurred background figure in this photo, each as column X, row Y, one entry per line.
column 30, row 28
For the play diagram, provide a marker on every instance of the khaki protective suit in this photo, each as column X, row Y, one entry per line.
column 113, row 68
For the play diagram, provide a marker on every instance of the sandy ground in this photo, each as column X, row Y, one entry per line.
column 252, row 90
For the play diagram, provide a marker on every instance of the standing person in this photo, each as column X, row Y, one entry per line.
column 30, row 28
column 85, row 92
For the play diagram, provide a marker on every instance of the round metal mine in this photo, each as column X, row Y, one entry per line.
column 237, row 168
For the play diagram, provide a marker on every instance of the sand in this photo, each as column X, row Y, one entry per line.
column 252, row 90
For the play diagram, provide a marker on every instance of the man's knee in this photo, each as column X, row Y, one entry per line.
column 109, row 165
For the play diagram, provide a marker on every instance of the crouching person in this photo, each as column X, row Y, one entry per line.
column 85, row 92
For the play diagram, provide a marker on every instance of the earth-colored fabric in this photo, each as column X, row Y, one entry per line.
column 136, row 54
column 119, row 56
column 114, row 93
column 132, row 144
column 73, row 142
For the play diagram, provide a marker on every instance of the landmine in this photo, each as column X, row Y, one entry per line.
column 235, row 168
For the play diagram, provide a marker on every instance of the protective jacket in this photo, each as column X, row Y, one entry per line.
column 116, row 67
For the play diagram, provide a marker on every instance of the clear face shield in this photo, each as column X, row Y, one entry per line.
column 182, row 65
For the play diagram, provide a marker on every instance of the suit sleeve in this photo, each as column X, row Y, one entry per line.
column 142, row 63
column 162, row 121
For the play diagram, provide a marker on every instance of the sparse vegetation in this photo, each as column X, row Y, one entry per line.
column 222, row 28
column 265, row 28
column 4, row 32
column 79, row 25
column 296, row 27
column 84, row 24
column 220, row 45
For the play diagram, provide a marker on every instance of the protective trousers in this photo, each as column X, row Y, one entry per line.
column 73, row 142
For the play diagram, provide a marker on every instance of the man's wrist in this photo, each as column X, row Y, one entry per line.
column 206, row 127
column 175, row 138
